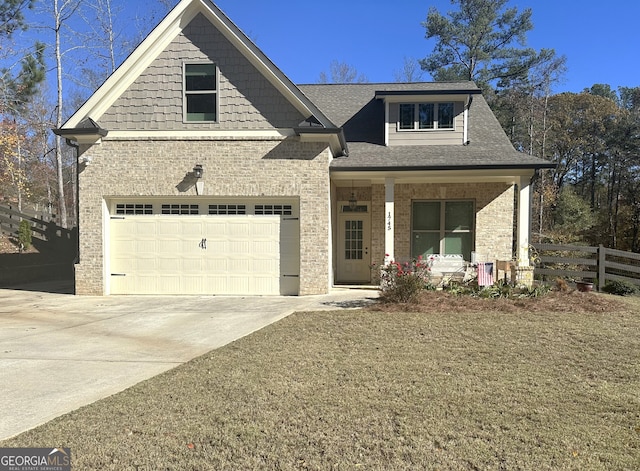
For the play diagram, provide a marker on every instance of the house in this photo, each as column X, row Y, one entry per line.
column 204, row 170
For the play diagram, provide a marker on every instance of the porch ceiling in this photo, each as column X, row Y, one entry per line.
column 360, row 177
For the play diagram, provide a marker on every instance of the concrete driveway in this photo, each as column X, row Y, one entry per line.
column 59, row 352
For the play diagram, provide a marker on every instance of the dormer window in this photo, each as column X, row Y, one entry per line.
column 200, row 92
column 420, row 116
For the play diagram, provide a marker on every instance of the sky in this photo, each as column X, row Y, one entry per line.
column 601, row 41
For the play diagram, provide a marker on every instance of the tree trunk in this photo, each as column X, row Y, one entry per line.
column 62, row 205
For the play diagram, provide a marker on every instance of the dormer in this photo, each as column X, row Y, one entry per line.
column 426, row 117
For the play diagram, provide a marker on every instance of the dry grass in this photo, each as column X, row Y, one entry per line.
column 474, row 385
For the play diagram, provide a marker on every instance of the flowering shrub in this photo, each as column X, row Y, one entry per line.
column 403, row 282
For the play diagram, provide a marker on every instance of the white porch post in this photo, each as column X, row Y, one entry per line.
column 524, row 271
column 524, row 218
column 389, row 219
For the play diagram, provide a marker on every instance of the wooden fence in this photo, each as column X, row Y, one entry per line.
column 584, row 263
column 56, row 249
column 43, row 225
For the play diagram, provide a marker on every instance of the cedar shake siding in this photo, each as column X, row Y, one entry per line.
column 247, row 101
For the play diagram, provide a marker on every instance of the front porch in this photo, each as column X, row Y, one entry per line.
column 378, row 218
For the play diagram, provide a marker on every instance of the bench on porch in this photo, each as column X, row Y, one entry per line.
column 445, row 268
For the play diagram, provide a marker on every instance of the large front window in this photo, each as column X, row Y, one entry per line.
column 442, row 227
column 419, row 116
column 200, row 92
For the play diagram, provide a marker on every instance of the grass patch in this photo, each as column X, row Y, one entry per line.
column 467, row 389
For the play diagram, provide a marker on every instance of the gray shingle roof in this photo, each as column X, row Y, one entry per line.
column 355, row 108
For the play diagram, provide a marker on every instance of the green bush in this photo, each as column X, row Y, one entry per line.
column 500, row 289
column 24, row 234
column 620, row 288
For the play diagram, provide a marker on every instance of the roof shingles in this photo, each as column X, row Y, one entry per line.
column 355, row 108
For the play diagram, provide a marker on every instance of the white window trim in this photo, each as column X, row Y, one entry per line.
column 416, row 117
column 201, row 92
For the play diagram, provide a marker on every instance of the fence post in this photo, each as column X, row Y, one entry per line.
column 602, row 269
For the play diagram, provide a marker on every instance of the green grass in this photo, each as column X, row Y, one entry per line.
column 386, row 391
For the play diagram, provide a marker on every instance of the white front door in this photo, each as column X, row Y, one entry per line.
column 354, row 243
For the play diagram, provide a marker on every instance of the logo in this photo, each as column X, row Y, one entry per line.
column 35, row 459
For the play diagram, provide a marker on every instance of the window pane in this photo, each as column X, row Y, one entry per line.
column 407, row 115
column 200, row 77
column 201, row 107
column 426, row 216
column 458, row 216
column 458, row 243
column 425, row 243
column 426, row 116
column 445, row 115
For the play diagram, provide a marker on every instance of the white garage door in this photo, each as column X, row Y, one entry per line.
column 213, row 254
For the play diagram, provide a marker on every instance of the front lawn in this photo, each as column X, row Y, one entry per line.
column 471, row 388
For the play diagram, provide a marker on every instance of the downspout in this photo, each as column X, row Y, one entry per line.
column 465, row 130
column 75, row 145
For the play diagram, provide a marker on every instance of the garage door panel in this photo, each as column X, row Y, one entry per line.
column 167, row 283
column 218, row 264
column 243, row 254
column 171, row 228
column 145, row 264
column 269, row 266
column 238, row 229
column 238, row 284
column 265, row 247
column 217, row 284
column 263, row 285
column 192, row 284
column 218, row 246
column 148, row 246
column 164, row 246
column 239, row 247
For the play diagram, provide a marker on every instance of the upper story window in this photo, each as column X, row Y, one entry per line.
column 417, row 116
column 200, row 92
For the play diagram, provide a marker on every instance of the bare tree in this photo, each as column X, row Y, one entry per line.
column 410, row 72
column 341, row 72
column 63, row 11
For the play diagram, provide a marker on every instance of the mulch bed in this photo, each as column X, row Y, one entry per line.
column 555, row 301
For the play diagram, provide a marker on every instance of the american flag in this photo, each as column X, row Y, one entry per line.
column 485, row 274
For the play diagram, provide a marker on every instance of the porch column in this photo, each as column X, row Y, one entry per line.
column 524, row 271
column 524, row 218
column 389, row 219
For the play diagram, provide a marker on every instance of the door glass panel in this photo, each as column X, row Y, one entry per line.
column 426, row 216
column 353, row 240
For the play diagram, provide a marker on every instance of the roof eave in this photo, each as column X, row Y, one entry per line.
column 82, row 135
column 469, row 91
column 466, row 168
column 334, row 135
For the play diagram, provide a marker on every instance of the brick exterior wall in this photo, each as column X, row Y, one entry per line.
column 494, row 216
column 257, row 168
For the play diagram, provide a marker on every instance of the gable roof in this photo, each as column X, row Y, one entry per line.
column 168, row 29
column 360, row 111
